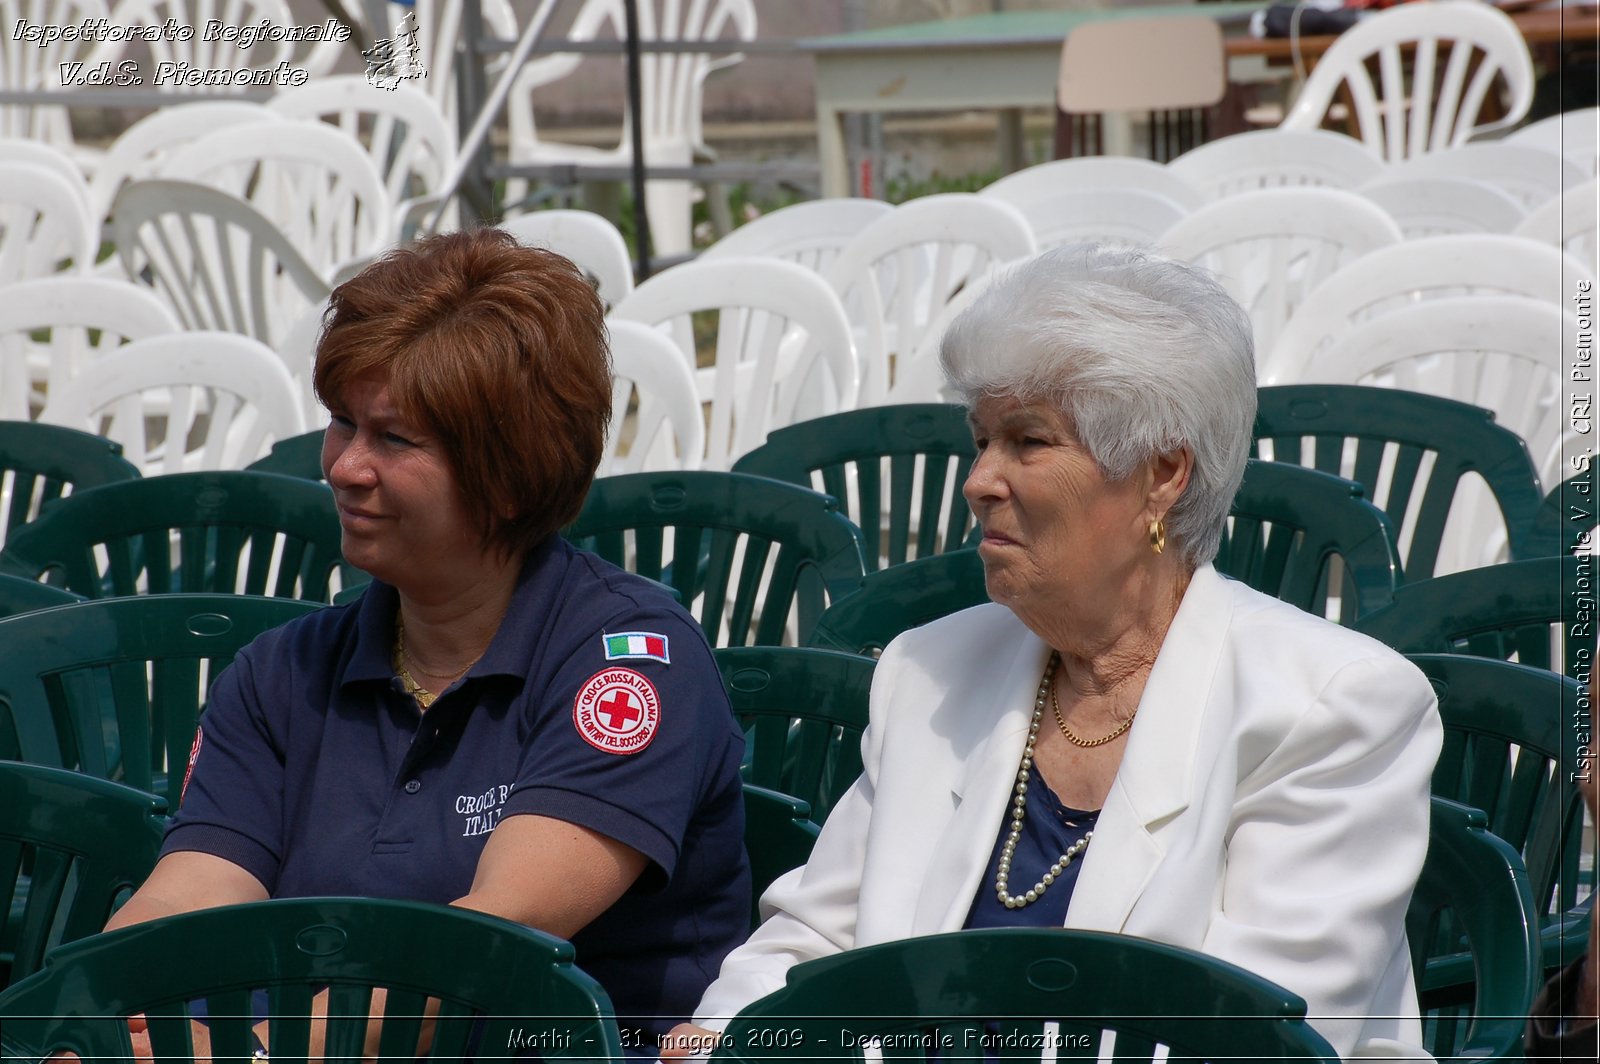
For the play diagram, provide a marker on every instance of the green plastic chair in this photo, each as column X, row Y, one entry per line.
column 803, row 712
column 954, row 996
column 897, row 470
column 46, row 461
column 298, row 456
column 1518, row 609
column 1287, row 526
column 495, row 980
column 1567, row 518
column 18, row 595
column 246, row 533
column 114, row 687
column 1474, row 935
column 1510, row 749
column 71, row 848
column 756, row 561
column 897, row 599
column 778, row 836
column 1387, row 429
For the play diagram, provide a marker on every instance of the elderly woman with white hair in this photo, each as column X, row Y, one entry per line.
column 1124, row 740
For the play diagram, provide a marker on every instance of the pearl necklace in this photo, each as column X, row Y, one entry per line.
column 1002, row 876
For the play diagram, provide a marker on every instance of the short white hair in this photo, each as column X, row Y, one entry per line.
column 1143, row 355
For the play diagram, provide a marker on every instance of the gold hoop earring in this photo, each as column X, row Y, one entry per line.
column 1158, row 535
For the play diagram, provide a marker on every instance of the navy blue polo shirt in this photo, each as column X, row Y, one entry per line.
column 597, row 702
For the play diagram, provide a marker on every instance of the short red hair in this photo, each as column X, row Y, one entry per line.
column 497, row 349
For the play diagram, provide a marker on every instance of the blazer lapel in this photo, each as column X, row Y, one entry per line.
column 1157, row 777
column 981, row 791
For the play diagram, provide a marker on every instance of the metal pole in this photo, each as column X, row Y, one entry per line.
column 641, row 216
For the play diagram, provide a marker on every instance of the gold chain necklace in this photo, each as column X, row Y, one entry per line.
column 425, row 698
column 1086, row 744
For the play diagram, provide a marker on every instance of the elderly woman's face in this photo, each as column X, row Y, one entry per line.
column 401, row 510
column 1056, row 533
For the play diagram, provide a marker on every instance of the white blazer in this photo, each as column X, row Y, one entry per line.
column 1271, row 808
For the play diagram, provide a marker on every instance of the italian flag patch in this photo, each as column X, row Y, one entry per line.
column 636, row 645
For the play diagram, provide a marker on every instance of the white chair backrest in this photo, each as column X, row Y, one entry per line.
column 1275, row 158
column 783, row 349
column 920, row 378
column 808, row 234
column 1043, row 182
column 1412, row 271
column 656, row 420
column 298, row 349
column 438, row 33
column 141, row 148
column 176, row 60
column 1573, row 134
column 214, row 401
column 215, row 259
column 1532, row 176
column 1147, row 64
column 1439, row 206
column 84, row 316
column 1271, row 247
column 1447, row 36
column 402, row 129
column 44, row 224
column 316, row 184
column 901, row 270
column 1568, row 222
column 1102, row 215
column 586, row 238
column 26, row 66
column 57, row 161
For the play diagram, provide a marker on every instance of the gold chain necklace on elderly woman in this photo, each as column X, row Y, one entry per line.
column 424, row 697
column 1019, row 805
column 1073, row 738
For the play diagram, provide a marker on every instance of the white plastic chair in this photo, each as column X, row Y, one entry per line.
column 1531, row 176
column 1414, row 271
column 298, row 349
column 57, row 161
column 170, row 56
column 316, row 183
column 402, row 129
column 1278, row 158
column 85, row 318
column 919, row 378
column 656, row 421
column 217, row 401
column 783, row 349
column 587, row 239
column 1568, row 222
column 809, row 234
column 1104, row 199
column 1447, row 35
column 1573, row 134
column 44, row 224
column 897, row 274
column 1271, row 247
column 24, row 66
column 215, row 259
column 1439, row 206
column 672, row 85
column 438, row 24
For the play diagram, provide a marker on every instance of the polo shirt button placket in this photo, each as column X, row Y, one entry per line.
column 413, row 786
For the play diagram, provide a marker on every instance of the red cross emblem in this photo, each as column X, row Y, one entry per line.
column 617, row 710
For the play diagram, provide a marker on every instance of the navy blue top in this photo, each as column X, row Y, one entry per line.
column 318, row 775
column 1049, row 829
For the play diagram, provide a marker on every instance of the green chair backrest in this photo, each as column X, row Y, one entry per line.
column 71, row 848
column 1289, row 523
column 896, row 470
column 298, row 456
column 114, row 687
column 1474, row 935
column 803, row 712
column 754, row 560
column 245, row 533
column 1566, row 520
column 902, row 597
column 1385, row 437
column 493, row 979
column 20, row 595
column 45, row 461
column 1528, row 610
column 778, row 836
column 954, row 996
column 1510, row 748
